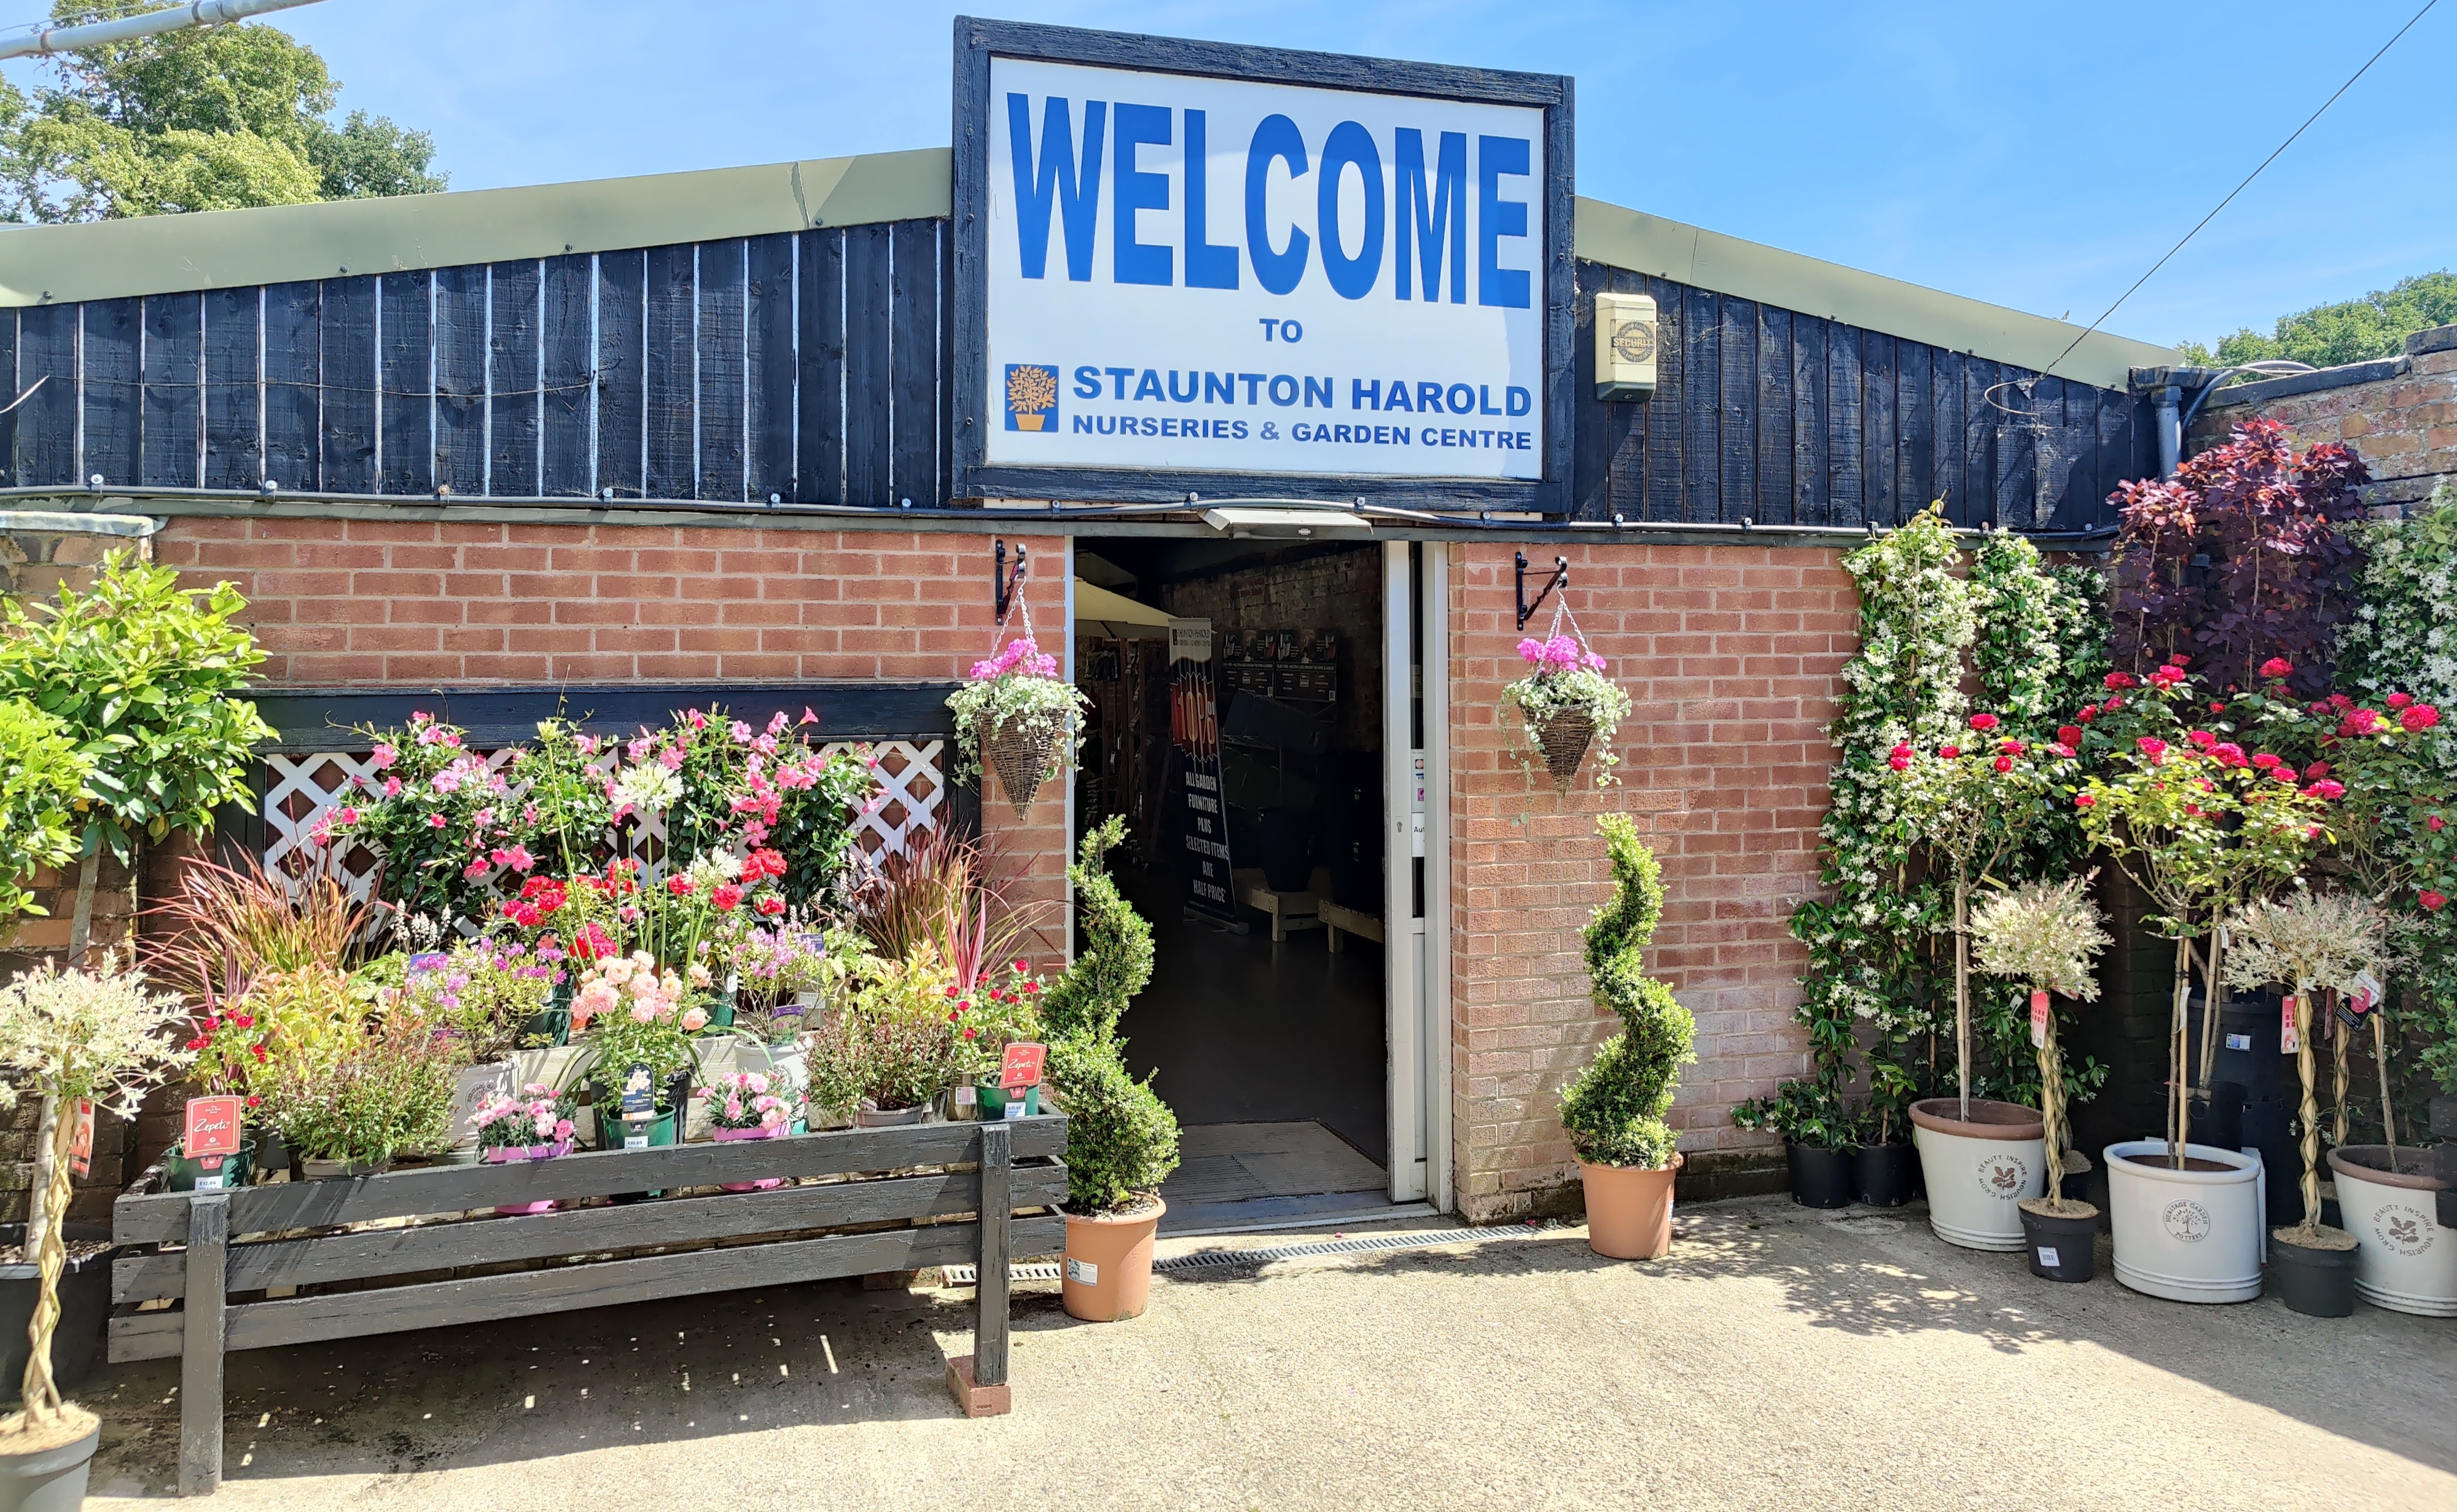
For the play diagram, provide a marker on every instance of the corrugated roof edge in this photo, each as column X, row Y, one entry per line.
column 1620, row 237
column 224, row 249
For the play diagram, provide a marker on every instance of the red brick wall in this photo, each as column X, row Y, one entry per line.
column 2404, row 425
column 1730, row 656
column 366, row 604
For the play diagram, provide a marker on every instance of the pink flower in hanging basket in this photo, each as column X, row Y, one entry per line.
column 1022, row 654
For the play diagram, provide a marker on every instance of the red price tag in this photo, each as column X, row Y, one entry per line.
column 2040, row 1019
column 1022, row 1065
column 213, row 1127
column 2289, row 1042
column 81, row 1141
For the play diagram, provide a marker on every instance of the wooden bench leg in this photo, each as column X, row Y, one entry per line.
column 200, row 1346
column 978, row 1379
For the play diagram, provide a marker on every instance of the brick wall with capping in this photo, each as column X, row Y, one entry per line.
column 1729, row 655
column 2398, row 413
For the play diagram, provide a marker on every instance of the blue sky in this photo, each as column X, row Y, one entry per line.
column 2039, row 157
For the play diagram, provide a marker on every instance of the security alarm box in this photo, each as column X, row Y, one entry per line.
column 1624, row 346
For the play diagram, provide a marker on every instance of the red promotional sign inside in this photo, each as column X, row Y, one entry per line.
column 81, row 1141
column 1022, row 1065
column 213, row 1127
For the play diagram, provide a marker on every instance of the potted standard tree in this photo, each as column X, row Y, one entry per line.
column 1121, row 1138
column 2044, row 934
column 1971, row 806
column 2309, row 943
column 78, row 1040
column 1614, row 1109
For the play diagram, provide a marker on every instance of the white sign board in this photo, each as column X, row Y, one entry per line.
column 1194, row 275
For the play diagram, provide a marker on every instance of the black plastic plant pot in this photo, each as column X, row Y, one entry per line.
column 2312, row 1280
column 1883, row 1176
column 2217, row 1120
column 1820, row 1177
column 84, row 1304
column 2061, row 1248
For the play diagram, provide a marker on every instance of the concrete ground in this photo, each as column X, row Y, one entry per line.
column 1780, row 1357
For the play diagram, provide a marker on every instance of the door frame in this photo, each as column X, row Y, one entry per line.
column 1416, row 809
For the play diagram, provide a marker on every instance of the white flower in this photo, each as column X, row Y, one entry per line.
column 648, row 788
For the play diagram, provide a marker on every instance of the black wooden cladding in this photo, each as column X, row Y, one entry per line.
column 1783, row 417
column 812, row 368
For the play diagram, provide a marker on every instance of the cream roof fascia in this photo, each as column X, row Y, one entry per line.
column 232, row 248
column 229, row 248
column 1704, row 259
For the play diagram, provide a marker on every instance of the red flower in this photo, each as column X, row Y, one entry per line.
column 2004, row 764
column 2069, row 734
column 2341, row 701
column 2229, row 753
column 727, row 897
column 2166, row 677
column 259, row 1053
column 771, row 906
column 2326, row 789
column 255, row 1101
column 2114, row 703
column 2361, row 722
column 2011, row 747
column 2083, row 800
column 679, row 886
column 2089, row 712
column 2152, row 747
column 1983, row 723
column 2201, row 739
column 2432, row 902
column 2435, row 823
column 1032, row 986
column 972, row 1033
column 2316, row 770
column 2400, row 700
column 2120, row 680
column 1949, row 753
column 2264, row 761
column 1019, row 964
column 1899, row 762
column 2179, row 659
column 2421, row 717
column 2276, row 666
column 2217, row 707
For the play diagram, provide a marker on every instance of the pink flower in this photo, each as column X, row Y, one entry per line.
column 1899, row 762
column 517, row 857
column 2400, row 700
column 643, row 1013
column 2228, row 753
column 434, row 821
column 2201, row 739
column 695, row 1019
column 2266, row 760
column 2276, row 666
column 1949, row 753
column 383, row 757
column 2316, row 770
column 2432, row 902
column 345, row 815
column 2083, row 801
column 2420, row 717
column 448, row 780
column 2004, row 764
column 2361, row 722
column 1983, row 723
column 2152, row 747
column 476, row 868
column 740, row 731
column 2118, row 680
column 2435, row 823
column 2328, row 789
column 727, row 897
column 391, row 786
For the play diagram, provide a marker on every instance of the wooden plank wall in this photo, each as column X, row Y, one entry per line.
column 811, row 368
column 803, row 368
column 1783, row 418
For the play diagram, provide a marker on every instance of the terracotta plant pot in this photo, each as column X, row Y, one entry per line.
column 1563, row 739
column 1108, row 1263
column 1022, row 758
column 1629, row 1209
column 50, row 1479
column 1978, row 1170
column 2408, row 1259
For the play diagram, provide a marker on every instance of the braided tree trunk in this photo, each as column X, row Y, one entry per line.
column 51, row 1181
column 2051, row 1098
column 2307, row 1067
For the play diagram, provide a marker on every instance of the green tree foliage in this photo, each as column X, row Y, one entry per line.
column 1121, row 1138
column 2349, row 331
column 145, row 674
column 42, row 772
column 214, row 119
column 1614, row 1109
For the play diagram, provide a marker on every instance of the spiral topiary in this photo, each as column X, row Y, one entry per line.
column 1614, row 1109
column 1121, row 1138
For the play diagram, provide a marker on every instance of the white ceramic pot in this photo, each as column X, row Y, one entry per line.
column 1979, row 1169
column 2189, row 1236
column 2404, row 1261
column 474, row 1086
column 720, row 1054
column 554, row 1065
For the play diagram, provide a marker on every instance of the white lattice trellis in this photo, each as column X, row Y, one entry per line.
column 300, row 789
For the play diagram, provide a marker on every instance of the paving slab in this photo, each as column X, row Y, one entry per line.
column 1779, row 1359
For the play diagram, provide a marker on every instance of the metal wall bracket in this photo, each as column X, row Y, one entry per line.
column 1004, row 587
column 1560, row 580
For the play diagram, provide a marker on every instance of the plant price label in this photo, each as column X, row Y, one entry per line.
column 965, row 1096
column 210, row 1181
column 213, row 1127
column 2289, row 1041
column 635, row 1141
column 2048, row 1255
column 1021, row 1066
column 81, row 1140
column 2038, row 1019
column 1014, row 1107
column 1082, row 1273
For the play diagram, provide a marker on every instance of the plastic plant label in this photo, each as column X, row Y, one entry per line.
column 2288, row 1040
column 1014, row 1109
column 2038, row 1019
column 210, row 1181
column 213, row 1127
column 2048, row 1255
column 2238, row 1042
column 639, row 1092
column 965, row 1096
column 1082, row 1273
column 1022, row 1065
column 81, row 1141
column 636, row 1142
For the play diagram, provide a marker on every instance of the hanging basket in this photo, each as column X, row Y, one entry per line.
column 1022, row 756
column 1564, row 740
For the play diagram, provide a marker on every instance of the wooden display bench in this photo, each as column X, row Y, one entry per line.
column 1342, row 920
column 1287, row 910
column 983, row 1193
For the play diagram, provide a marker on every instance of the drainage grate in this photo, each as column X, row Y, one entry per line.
column 1233, row 1259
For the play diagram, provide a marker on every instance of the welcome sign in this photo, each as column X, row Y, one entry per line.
column 1192, row 268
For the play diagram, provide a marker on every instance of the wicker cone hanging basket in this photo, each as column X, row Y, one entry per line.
column 1564, row 739
column 1022, row 757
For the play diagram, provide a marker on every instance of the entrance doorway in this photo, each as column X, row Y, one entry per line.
column 1285, row 1016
